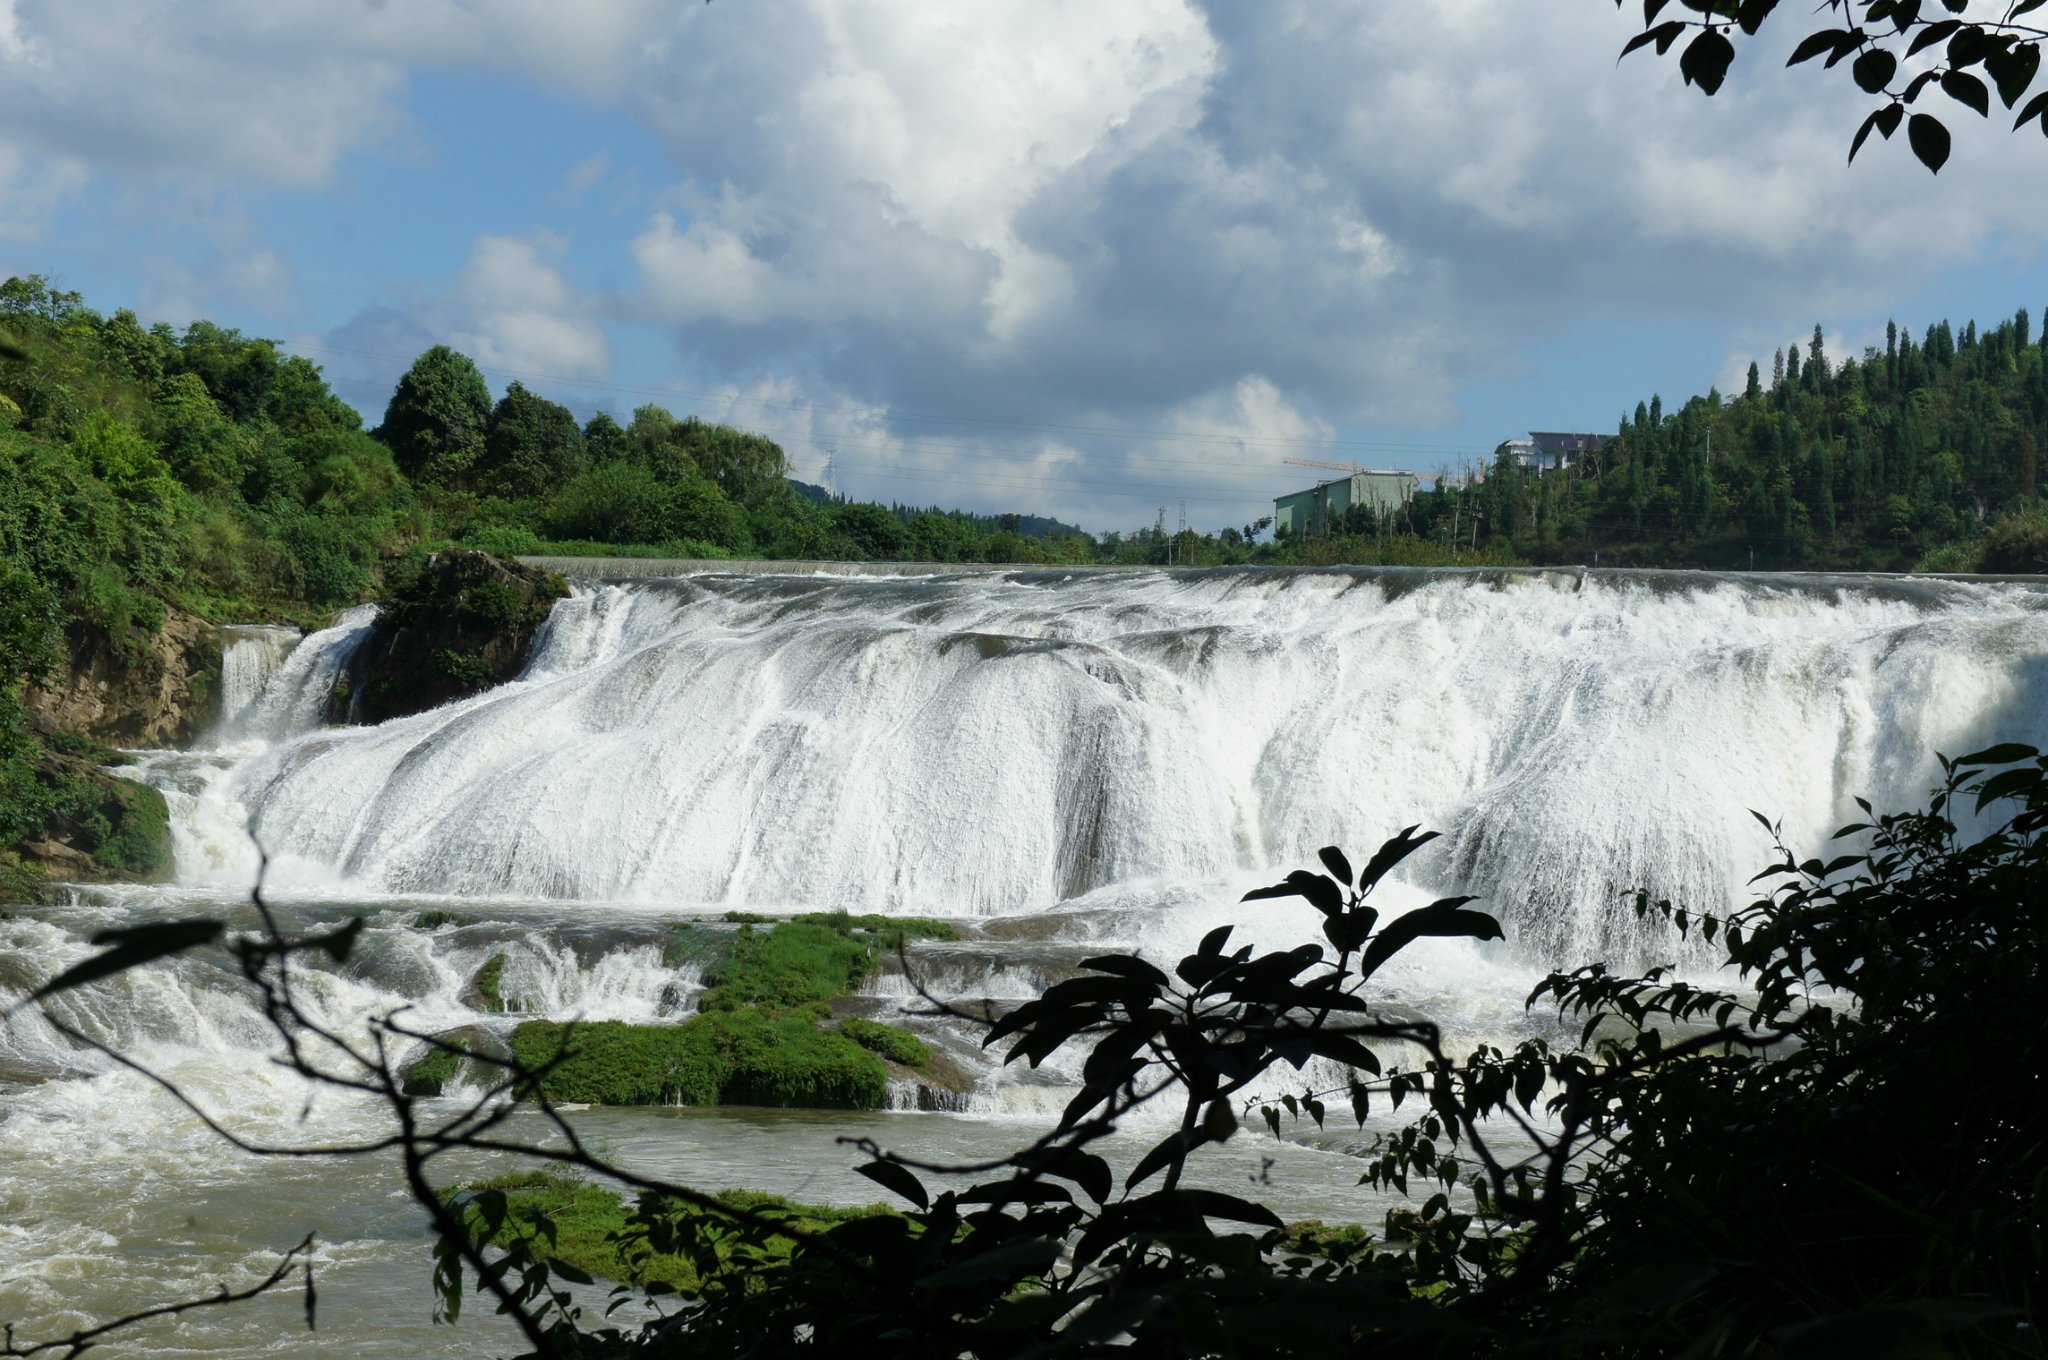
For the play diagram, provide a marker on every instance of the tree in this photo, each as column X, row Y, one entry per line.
column 434, row 425
column 531, row 445
column 604, row 439
column 1977, row 43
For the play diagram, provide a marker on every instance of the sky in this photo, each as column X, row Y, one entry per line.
column 1096, row 259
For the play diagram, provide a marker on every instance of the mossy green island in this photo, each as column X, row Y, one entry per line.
column 762, row 1034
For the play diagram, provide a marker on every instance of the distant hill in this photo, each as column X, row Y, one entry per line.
column 1030, row 526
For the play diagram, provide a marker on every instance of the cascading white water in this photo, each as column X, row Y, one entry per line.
column 250, row 655
column 297, row 680
column 995, row 745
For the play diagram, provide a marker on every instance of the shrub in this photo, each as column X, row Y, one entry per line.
column 609, row 1062
column 2017, row 544
column 590, row 1227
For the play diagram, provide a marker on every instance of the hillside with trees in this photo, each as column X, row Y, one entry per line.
column 1921, row 456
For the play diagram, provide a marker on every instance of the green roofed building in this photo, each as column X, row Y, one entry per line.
column 1321, row 508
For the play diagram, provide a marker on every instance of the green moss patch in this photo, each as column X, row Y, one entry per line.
column 795, row 964
column 1336, row 1241
column 731, row 1058
column 803, row 961
column 594, row 1230
column 890, row 928
column 896, row 1045
column 430, row 1074
column 434, row 920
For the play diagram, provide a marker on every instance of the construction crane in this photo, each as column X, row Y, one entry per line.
column 1346, row 467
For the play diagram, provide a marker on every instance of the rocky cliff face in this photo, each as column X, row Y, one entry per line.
column 154, row 691
column 464, row 622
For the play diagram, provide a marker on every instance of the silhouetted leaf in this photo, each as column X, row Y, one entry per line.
column 1325, row 896
column 1929, row 140
column 2009, row 752
column 1125, row 965
column 1333, row 859
column 1705, row 60
column 1216, row 1204
column 1349, row 931
column 1874, row 69
column 1663, row 35
column 1885, row 120
column 133, row 946
column 1441, row 917
column 572, row 1273
column 1939, row 31
column 1344, row 1049
column 1171, row 1149
column 1833, row 40
column 1390, row 854
column 1021, row 1259
column 1966, row 89
column 897, row 1178
column 2007, row 784
column 1084, row 1169
column 2014, row 69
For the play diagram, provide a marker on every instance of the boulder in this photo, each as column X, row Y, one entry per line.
column 102, row 829
column 455, row 625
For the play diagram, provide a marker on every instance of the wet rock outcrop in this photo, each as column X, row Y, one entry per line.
column 100, row 828
column 459, row 623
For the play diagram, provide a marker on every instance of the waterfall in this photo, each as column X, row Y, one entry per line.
column 1000, row 744
column 274, row 686
column 250, row 655
column 1062, row 766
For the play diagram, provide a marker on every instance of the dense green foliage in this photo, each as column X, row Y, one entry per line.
column 738, row 1057
column 794, row 964
column 451, row 625
column 1900, row 458
column 488, row 983
column 898, row 1046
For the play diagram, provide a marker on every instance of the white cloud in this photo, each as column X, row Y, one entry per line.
column 513, row 311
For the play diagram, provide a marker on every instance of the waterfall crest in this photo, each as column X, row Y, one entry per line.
column 999, row 744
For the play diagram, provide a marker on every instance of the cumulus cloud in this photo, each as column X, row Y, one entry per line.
column 512, row 310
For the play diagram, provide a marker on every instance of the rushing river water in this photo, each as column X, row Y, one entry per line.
column 1060, row 764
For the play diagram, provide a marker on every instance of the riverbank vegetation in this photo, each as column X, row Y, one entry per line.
column 1923, row 455
column 593, row 1230
column 1842, row 1157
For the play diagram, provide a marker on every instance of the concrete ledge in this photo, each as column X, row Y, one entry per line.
column 637, row 568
